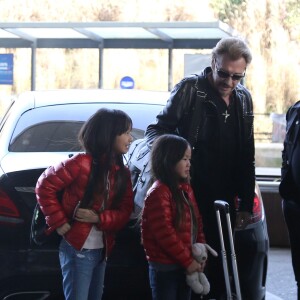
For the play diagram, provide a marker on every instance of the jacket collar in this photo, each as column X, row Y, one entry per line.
column 184, row 187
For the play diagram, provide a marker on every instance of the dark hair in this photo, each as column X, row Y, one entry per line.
column 234, row 47
column 167, row 151
column 97, row 137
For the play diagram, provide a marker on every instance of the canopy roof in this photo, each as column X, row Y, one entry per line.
column 164, row 35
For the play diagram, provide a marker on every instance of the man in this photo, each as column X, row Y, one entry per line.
column 213, row 111
column 289, row 187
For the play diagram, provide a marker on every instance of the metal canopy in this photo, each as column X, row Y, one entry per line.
column 102, row 35
column 178, row 35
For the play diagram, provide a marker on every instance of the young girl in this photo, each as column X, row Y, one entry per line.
column 171, row 222
column 97, row 202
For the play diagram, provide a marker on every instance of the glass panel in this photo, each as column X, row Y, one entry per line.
column 59, row 33
column 126, row 33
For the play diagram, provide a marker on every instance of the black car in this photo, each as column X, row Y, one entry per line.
column 40, row 129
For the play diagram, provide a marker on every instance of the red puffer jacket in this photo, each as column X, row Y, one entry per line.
column 162, row 243
column 72, row 177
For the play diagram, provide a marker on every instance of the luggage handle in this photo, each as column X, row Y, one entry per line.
column 222, row 205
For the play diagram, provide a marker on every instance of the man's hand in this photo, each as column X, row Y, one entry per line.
column 242, row 219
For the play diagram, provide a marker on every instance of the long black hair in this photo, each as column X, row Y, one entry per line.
column 167, row 151
column 97, row 138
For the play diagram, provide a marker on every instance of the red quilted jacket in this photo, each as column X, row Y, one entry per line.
column 72, row 177
column 162, row 243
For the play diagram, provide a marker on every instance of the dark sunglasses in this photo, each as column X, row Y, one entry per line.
column 223, row 74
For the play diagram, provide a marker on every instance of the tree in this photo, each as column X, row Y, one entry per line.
column 272, row 30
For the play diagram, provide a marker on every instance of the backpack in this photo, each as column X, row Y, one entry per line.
column 139, row 166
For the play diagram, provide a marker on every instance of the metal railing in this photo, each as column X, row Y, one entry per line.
column 268, row 186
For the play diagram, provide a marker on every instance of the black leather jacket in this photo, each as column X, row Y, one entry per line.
column 178, row 117
column 287, row 188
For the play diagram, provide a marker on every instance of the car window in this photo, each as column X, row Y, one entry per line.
column 54, row 136
column 56, row 128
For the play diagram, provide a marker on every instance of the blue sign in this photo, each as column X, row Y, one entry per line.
column 6, row 68
column 127, row 83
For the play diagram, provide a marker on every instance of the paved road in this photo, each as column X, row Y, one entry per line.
column 280, row 279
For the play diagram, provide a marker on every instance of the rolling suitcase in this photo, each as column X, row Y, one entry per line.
column 222, row 207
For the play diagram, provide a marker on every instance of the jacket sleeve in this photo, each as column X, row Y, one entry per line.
column 53, row 180
column 169, row 118
column 284, row 166
column 200, row 234
column 287, row 187
column 160, row 224
column 116, row 218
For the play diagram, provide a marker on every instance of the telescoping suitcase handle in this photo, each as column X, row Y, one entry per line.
column 223, row 206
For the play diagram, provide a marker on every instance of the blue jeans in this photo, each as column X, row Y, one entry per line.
column 168, row 284
column 83, row 272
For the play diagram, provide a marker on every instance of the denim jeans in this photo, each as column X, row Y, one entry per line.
column 83, row 272
column 168, row 284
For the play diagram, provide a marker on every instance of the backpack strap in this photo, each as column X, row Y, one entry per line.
column 197, row 109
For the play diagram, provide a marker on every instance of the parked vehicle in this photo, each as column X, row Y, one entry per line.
column 40, row 129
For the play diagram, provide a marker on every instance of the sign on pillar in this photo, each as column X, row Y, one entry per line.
column 127, row 82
